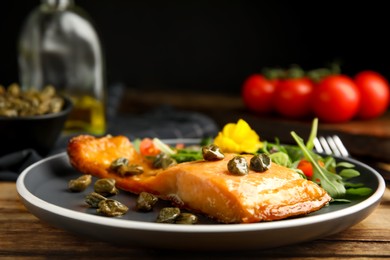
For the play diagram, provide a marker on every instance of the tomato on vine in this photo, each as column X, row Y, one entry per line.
column 293, row 97
column 257, row 93
column 336, row 99
column 375, row 93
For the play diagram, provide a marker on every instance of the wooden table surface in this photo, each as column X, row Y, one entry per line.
column 22, row 235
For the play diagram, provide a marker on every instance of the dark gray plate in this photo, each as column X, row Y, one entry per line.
column 43, row 190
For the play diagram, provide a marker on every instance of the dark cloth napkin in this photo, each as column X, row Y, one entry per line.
column 13, row 164
column 164, row 122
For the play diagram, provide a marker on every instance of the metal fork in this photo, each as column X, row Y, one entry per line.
column 330, row 145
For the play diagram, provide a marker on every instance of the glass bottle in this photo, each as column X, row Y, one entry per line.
column 59, row 46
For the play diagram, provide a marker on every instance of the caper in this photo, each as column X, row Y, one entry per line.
column 80, row 184
column 123, row 168
column 106, row 187
column 112, row 208
column 168, row 215
column 132, row 169
column 238, row 165
column 122, row 161
column 15, row 102
column 163, row 161
column 186, row 218
column 14, row 90
column 212, row 153
column 93, row 199
column 145, row 201
column 260, row 162
column 48, row 92
column 56, row 104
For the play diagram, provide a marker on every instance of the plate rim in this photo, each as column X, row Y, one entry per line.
column 29, row 197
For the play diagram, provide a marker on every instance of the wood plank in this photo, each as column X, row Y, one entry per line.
column 23, row 235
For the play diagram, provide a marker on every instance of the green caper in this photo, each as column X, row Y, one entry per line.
column 106, row 187
column 260, row 162
column 122, row 161
column 238, row 166
column 93, row 199
column 56, row 104
column 48, row 92
column 112, row 208
column 80, row 184
column 212, row 153
column 131, row 169
column 145, row 202
column 14, row 90
column 168, row 215
column 186, row 218
column 15, row 102
column 123, row 168
column 163, row 161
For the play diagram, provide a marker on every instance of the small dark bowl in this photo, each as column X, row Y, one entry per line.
column 35, row 132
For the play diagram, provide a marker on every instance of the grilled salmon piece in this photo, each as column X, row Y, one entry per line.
column 205, row 186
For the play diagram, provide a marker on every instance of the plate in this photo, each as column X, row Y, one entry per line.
column 42, row 188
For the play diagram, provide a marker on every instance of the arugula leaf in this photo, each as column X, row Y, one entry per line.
column 186, row 155
column 331, row 182
column 362, row 191
column 349, row 173
column 353, row 185
column 294, row 153
column 313, row 135
column 345, row 165
column 280, row 158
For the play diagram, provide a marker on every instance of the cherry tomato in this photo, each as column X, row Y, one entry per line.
column 293, row 97
column 336, row 99
column 375, row 94
column 147, row 147
column 257, row 93
column 307, row 168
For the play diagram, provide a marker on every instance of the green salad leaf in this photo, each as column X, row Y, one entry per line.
column 330, row 181
column 334, row 182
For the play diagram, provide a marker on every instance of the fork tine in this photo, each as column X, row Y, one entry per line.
column 330, row 145
column 333, row 146
column 325, row 145
column 318, row 146
column 340, row 145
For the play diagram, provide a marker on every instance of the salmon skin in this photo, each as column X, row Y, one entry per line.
column 203, row 186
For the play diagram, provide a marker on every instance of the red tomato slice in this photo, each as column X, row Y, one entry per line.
column 307, row 168
column 147, row 147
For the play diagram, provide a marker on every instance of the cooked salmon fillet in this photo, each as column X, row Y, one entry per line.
column 204, row 186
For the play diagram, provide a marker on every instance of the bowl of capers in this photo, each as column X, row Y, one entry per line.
column 31, row 119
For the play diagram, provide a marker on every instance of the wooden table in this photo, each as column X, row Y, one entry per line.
column 22, row 235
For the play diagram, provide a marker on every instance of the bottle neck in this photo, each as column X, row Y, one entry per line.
column 57, row 5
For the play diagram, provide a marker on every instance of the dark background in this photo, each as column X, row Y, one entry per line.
column 214, row 45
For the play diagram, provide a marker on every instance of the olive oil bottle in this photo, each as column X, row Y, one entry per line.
column 87, row 115
column 59, row 46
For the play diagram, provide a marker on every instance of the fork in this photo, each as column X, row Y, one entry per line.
column 330, row 145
